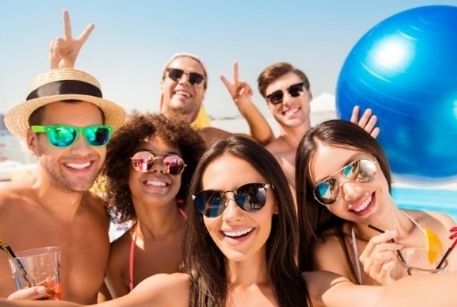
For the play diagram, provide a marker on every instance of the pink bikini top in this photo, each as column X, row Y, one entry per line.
column 132, row 252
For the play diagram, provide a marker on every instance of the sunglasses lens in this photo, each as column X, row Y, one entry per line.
column 366, row 170
column 326, row 191
column 61, row 136
column 97, row 135
column 251, row 197
column 210, row 203
column 276, row 97
column 175, row 74
column 296, row 90
column 362, row 170
column 195, row 79
column 142, row 161
column 173, row 164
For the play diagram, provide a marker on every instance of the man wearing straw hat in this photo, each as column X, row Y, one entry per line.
column 66, row 123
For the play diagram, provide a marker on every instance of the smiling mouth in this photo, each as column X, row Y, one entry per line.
column 291, row 111
column 364, row 205
column 156, row 183
column 78, row 166
column 237, row 234
column 182, row 93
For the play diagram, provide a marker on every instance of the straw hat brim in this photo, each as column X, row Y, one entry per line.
column 17, row 119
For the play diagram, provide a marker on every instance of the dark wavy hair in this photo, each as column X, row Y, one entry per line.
column 124, row 144
column 207, row 264
column 315, row 220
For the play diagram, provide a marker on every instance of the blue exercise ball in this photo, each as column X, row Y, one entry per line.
column 405, row 69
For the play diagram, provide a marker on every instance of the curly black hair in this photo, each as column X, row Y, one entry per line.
column 124, row 144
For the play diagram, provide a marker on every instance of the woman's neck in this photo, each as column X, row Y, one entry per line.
column 159, row 222
column 248, row 272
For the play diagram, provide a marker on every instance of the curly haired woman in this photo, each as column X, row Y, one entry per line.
column 148, row 168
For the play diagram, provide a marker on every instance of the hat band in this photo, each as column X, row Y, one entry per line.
column 64, row 87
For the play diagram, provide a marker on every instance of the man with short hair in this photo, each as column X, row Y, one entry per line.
column 287, row 92
column 182, row 88
column 66, row 123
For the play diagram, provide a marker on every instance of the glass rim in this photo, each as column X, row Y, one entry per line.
column 37, row 251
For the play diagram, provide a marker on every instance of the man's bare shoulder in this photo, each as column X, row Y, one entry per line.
column 14, row 192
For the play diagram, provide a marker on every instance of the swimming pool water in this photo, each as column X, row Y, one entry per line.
column 427, row 199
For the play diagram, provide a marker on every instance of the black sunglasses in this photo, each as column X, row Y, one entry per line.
column 176, row 74
column 326, row 191
column 249, row 197
column 294, row 90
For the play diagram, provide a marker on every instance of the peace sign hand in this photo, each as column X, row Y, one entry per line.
column 241, row 92
column 64, row 50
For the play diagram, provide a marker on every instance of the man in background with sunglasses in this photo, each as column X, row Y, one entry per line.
column 66, row 123
column 287, row 92
column 182, row 88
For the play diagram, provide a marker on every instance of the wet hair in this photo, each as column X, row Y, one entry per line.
column 123, row 146
column 315, row 220
column 275, row 71
column 208, row 264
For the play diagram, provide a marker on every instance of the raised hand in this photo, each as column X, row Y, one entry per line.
column 380, row 260
column 241, row 92
column 367, row 121
column 63, row 51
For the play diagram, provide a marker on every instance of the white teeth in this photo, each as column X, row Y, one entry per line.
column 291, row 111
column 363, row 205
column 183, row 93
column 234, row 234
column 78, row 165
column 156, row 183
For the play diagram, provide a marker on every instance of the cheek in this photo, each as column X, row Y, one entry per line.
column 200, row 93
column 337, row 208
column 101, row 152
column 271, row 107
column 212, row 226
column 167, row 86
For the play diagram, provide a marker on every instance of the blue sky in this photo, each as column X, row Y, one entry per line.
column 133, row 39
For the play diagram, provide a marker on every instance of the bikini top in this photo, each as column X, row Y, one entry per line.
column 132, row 252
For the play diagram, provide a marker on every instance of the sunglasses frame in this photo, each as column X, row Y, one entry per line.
column 203, row 209
column 79, row 131
column 190, row 76
column 374, row 163
column 283, row 93
column 153, row 159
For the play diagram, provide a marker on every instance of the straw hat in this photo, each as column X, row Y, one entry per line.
column 58, row 85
